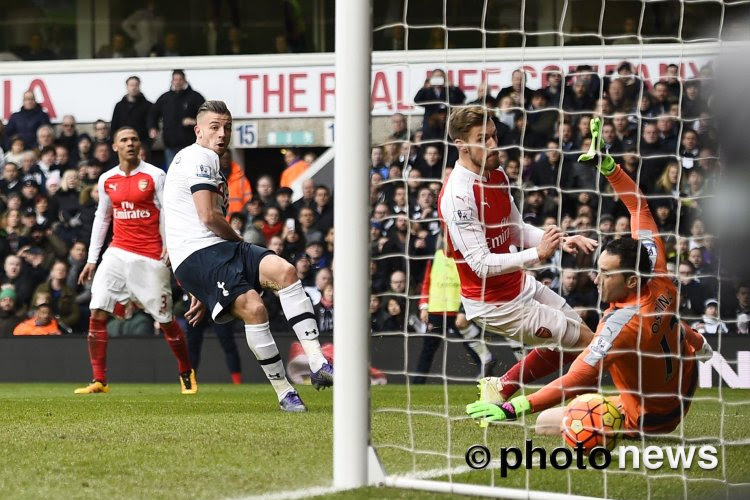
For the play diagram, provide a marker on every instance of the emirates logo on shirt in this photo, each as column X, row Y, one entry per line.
column 128, row 211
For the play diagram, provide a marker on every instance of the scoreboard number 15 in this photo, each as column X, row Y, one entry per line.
column 245, row 134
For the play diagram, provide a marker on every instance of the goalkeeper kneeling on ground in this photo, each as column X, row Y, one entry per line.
column 647, row 349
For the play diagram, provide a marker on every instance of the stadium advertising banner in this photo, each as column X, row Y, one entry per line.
column 295, row 91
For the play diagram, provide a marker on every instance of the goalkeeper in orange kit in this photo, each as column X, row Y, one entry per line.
column 650, row 353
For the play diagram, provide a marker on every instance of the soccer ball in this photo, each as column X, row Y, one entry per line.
column 593, row 421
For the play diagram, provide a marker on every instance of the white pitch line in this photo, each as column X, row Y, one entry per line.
column 291, row 494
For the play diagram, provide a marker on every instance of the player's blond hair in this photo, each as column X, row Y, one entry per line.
column 464, row 119
column 218, row 107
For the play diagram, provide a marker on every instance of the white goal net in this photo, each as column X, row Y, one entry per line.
column 543, row 70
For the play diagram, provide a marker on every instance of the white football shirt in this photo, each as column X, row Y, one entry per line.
column 194, row 168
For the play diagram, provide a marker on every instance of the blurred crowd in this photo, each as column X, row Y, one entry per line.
column 662, row 134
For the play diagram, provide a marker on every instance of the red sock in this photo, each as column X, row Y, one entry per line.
column 176, row 339
column 236, row 378
column 98, row 348
column 537, row 364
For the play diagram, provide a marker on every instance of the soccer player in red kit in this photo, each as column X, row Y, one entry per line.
column 485, row 231
column 649, row 352
column 134, row 266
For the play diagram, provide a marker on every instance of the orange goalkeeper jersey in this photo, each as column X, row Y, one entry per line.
column 648, row 350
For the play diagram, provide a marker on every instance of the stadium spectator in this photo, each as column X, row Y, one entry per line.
column 308, row 195
column 103, row 155
column 618, row 98
column 16, row 151
column 133, row 110
column 540, row 118
column 177, row 109
column 46, row 164
column 102, row 133
column 240, row 189
column 68, row 201
column 399, row 128
column 62, row 158
column 168, row 46
column 295, row 166
column 84, row 148
column 27, row 120
column 61, row 298
column 692, row 102
column 42, row 321
column 632, row 83
column 69, row 136
column 306, row 225
column 436, row 94
column 689, row 149
column 11, row 180
column 45, row 137
column 145, row 27
column 484, row 97
column 661, row 99
column 667, row 134
column 710, row 324
column 323, row 209
column 9, row 315
column 117, row 48
column 578, row 99
column 742, row 315
column 284, row 204
column 430, row 166
column 393, row 315
column 324, row 309
column 610, row 140
column 272, row 224
column 265, row 189
column 624, row 131
column 24, row 278
column 553, row 90
column 323, row 278
column 30, row 190
column 377, row 162
column 517, row 90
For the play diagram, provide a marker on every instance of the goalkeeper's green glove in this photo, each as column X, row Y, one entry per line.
column 607, row 166
column 489, row 412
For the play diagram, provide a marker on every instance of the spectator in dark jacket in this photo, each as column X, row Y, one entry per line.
column 436, row 93
column 177, row 108
column 68, row 137
column 25, row 121
column 133, row 111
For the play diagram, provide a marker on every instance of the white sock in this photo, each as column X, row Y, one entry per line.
column 299, row 314
column 480, row 349
column 261, row 343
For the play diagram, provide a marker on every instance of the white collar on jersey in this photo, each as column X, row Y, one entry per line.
column 466, row 171
column 134, row 171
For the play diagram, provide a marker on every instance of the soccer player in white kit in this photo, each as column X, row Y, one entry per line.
column 224, row 274
column 133, row 268
column 485, row 230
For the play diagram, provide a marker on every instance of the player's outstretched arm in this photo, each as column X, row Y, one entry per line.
column 642, row 223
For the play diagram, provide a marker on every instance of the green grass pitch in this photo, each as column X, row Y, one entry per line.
column 148, row 441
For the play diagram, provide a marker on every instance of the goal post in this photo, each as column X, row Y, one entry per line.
column 351, row 408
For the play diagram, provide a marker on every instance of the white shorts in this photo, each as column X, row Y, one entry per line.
column 125, row 276
column 538, row 316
